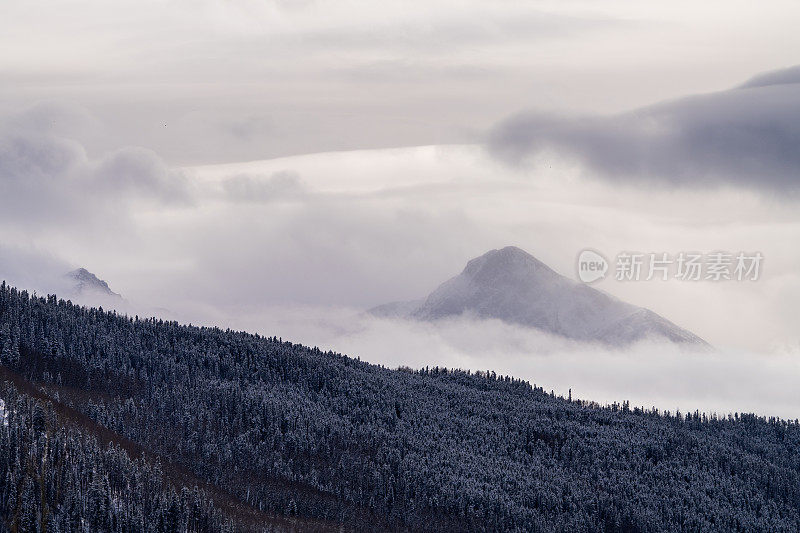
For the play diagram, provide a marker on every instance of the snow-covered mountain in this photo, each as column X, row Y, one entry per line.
column 511, row 285
column 87, row 284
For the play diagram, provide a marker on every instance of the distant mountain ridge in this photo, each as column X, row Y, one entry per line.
column 511, row 285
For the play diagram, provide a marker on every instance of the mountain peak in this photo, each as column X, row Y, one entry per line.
column 511, row 285
column 508, row 261
column 85, row 281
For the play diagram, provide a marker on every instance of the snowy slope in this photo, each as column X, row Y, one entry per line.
column 512, row 285
column 87, row 283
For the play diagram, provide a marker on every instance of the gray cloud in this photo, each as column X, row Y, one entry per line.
column 35, row 172
column 784, row 76
column 139, row 171
column 33, row 269
column 748, row 136
column 52, row 118
column 249, row 128
column 278, row 185
column 647, row 374
column 478, row 28
column 46, row 177
column 320, row 249
column 32, row 158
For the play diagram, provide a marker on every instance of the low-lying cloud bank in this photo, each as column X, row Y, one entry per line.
column 746, row 136
column 647, row 374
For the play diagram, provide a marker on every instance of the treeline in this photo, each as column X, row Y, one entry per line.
column 298, row 432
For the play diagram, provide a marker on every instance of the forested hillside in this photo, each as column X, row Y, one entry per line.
column 115, row 420
column 57, row 479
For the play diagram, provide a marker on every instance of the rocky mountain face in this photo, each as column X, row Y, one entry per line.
column 86, row 283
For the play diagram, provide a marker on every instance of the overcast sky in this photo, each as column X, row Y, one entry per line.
column 281, row 166
column 232, row 80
